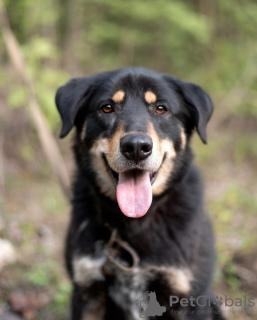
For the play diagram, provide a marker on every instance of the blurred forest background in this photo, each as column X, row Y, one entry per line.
column 211, row 43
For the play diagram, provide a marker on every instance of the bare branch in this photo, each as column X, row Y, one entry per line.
column 47, row 140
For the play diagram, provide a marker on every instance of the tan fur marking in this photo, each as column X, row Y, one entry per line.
column 150, row 97
column 152, row 133
column 179, row 279
column 103, row 177
column 156, row 151
column 83, row 132
column 118, row 96
column 161, row 148
column 114, row 142
column 183, row 138
column 111, row 149
column 87, row 270
column 165, row 171
column 114, row 156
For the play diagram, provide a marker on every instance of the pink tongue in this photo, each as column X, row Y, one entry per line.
column 134, row 193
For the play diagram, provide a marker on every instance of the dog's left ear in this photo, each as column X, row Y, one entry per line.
column 69, row 98
column 198, row 103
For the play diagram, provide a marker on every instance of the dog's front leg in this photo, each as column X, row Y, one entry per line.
column 88, row 303
column 89, row 294
column 176, row 290
column 85, row 257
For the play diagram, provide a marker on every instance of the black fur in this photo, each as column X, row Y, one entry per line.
column 175, row 232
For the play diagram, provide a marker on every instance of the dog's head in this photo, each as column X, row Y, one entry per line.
column 134, row 126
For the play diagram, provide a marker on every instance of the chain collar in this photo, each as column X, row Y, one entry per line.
column 112, row 252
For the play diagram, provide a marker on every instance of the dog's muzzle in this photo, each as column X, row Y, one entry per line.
column 134, row 168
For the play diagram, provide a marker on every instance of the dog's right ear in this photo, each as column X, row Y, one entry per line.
column 198, row 102
column 69, row 98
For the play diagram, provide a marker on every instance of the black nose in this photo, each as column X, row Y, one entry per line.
column 136, row 147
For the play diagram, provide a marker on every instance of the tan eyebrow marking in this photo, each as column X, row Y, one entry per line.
column 150, row 97
column 118, row 96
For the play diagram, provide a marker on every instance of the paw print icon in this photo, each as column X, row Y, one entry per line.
column 218, row 302
column 149, row 306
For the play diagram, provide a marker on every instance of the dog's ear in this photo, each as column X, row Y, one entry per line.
column 198, row 103
column 69, row 99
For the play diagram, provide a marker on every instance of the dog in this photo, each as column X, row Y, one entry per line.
column 138, row 223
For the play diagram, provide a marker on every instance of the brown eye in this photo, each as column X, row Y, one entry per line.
column 161, row 109
column 107, row 108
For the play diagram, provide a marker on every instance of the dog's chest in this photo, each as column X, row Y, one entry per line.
column 125, row 287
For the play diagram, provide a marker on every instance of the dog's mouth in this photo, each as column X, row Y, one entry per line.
column 134, row 191
column 115, row 175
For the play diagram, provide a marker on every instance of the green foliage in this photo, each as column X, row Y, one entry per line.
column 209, row 44
column 45, row 275
column 62, row 298
column 17, row 96
column 42, row 274
column 40, row 54
column 53, row 201
column 26, row 152
column 141, row 32
column 235, row 199
column 231, row 277
column 244, row 148
column 233, row 215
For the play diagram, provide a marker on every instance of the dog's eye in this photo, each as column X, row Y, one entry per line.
column 161, row 109
column 107, row 108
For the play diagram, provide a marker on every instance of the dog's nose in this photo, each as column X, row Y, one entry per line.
column 136, row 147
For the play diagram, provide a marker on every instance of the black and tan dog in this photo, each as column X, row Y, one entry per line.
column 132, row 149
